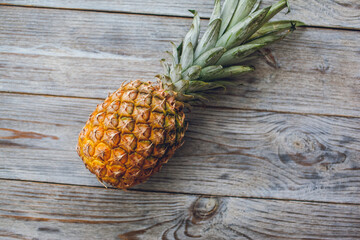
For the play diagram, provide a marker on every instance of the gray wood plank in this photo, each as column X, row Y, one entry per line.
column 227, row 152
column 330, row 13
column 88, row 54
column 47, row 211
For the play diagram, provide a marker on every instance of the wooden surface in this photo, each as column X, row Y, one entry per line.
column 49, row 211
column 276, row 158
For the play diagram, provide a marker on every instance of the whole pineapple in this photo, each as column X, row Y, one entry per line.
column 138, row 128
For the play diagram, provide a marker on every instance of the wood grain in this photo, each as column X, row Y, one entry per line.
column 278, row 157
column 46, row 211
column 330, row 13
column 227, row 152
column 57, row 52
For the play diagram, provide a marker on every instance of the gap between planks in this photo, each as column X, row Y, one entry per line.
column 154, row 14
column 95, row 10
column 200, row 106
column 185, row 193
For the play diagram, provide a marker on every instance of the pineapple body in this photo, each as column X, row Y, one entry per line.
column 132, row 134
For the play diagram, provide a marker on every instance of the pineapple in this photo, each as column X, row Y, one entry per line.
column 138, row 128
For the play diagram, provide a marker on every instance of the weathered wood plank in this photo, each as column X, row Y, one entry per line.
column 47, row 211
column 227, row 152
column 328, row 13
column 49, row 51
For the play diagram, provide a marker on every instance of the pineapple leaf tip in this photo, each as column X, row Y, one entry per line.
column 288, row 7
column 192, row 11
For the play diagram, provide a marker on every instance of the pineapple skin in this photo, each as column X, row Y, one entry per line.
column 132, row 134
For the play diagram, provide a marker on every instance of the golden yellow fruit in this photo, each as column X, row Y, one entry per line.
column 132, row 134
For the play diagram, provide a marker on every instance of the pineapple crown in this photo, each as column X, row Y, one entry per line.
column 236, row 31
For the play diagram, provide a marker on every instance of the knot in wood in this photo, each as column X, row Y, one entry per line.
column 305, row 149
column 299, row 147
column 204, row 208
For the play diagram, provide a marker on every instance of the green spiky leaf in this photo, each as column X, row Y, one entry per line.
column 209, row 71
column 216, row 14
column 269, row 38
column 277, row 26
column 210, row 38
column 199, row 86
column 227, row 14
column 243, row 9
column 256, row 6
column 181, row 86
column 188, row 57
column 175, row 73
column 242, row 30
column 210, row 57
column 193, row 34
column 275, row 9
column 192, row 73
column 179, row 49
column 165, row 66
column 237, row 54
column 228, row 72
column 175, row 54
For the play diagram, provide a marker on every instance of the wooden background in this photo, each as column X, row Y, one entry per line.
column 277, row 157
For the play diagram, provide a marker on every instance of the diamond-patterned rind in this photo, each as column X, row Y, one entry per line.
column 132, row 134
